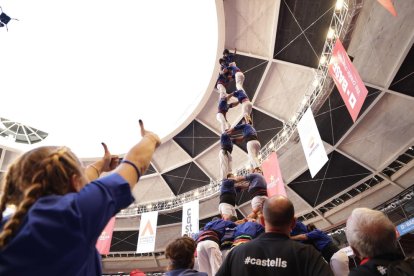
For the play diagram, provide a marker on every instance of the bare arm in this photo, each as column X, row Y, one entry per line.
column 301, row 237
column 106, row 163
column 140, row 155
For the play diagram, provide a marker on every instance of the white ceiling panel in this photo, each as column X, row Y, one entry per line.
column 151, row 189
column 169, row 156
column 249, row 25
column 284, row 79
column 385, row 130
column 374, row 59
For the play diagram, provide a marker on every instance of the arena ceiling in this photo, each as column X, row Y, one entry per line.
column 279, row 43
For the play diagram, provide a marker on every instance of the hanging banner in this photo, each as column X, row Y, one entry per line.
column 147, row 232
column 273, row 176
column 104, row 241
column 190, row 218
column 347, row 80
column 312, row 143
column 389, row 6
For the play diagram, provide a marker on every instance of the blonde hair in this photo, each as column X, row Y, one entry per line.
column 40, row 172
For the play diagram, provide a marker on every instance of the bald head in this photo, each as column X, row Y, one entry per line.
column 278, row 212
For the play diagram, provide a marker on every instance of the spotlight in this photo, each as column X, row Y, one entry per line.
column 271, row 145
column 196, row 193
column 149, row 206
column 331, row 33
column 322, row 61
column 339, row 5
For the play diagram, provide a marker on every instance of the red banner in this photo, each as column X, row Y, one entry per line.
column 273, row 176
column 389, row 6
column 104, row 240
column 347, row 80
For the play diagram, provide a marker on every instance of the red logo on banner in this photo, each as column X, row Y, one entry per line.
column 104, row 241
column 273, row 176
column 347, row 80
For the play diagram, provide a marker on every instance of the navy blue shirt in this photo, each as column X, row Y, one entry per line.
column 240, row 95
column 224, row 106
column 226, row 143
column 59, row 233
column 247, row 130
column 319, row 238
column 227, row 186
column 249, row 228
column 219, row 226
column 229, row 58
column 299, row 228
column 257, row 181
column 233, row 70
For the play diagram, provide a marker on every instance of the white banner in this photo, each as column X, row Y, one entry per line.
column 312, row 143
column 190, row 218
column 147, row 232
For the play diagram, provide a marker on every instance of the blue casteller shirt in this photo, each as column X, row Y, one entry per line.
column 227, row 186
column 59, row 233
column 223, row 106
column 240, row 95
column 257, row 181
column 219, row 226
column 319, row 238
column 299, row 228
column 249, row 228
column 226, row 143
column 229, row 58
column 247, row 130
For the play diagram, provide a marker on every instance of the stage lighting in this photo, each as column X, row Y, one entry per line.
column 331, row 33
column 339, row 5
column 322, row 60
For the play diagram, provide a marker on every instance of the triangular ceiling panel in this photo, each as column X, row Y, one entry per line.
column 185, row 178
column 168, row 155
column 336, row 175
column 152, row 188
column 301, row 31
column 281, row 80
column 333, row 119
column 253, row 69
column 196, row 138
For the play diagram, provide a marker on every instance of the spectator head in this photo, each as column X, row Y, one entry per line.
column 370, row 233
column 40, row 172
column 180, row 252
column 279, row 214
column 310, row 227
column 226, row 52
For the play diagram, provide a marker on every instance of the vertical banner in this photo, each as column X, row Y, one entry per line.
column 273, row 176
column 147, row 232
column 347, row 80
column 389, row 6
column 312, row 143
column 190, row 218
column 104, row 241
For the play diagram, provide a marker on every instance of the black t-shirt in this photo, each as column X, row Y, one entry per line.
column 377, row 266
column 274, row 254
